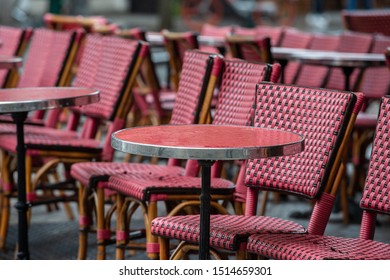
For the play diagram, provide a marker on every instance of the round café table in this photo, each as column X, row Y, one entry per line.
column 9, row 62
column 18, row 102
column 344, row 60
column 207, row 144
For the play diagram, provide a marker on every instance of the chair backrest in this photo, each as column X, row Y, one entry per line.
column 353, row 42
column 376, row 192
column 316, row 75
column 236, row 96
column 176, row 43
column 256, row 49
column 200, row 74
column 367, row 21
column 14, row 43
column 325, row 119
column 375, row 81
column 111, row 65
column 293, row 38
column 48, row 63
column 275, row 33
column 214, row 31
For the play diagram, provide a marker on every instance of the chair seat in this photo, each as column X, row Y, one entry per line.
column 90, row 173
column 39, row 142
column 366, row 120
column 142, row 187
column 314, row 247
column 226, row 231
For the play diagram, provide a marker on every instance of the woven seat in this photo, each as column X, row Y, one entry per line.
column 109, row 64
column 312, row 174
column 234, row 107
column 199, row 78
column 375, row 200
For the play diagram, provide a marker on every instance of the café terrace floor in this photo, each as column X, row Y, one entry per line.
column 52, row 236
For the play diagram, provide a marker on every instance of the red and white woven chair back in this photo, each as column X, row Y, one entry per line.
column 321, row 116
column 376, row 192
column 196, row 71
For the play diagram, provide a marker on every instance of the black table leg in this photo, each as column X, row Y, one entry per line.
column 21, row 205
column 347, row 75
column 205, row 208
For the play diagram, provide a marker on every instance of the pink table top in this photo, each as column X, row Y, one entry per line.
column 42, row 98
column 207, row 142
column 9, row 62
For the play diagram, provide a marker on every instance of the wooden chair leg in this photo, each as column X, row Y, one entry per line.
column 164, row 248
column 151, row 240
column 121, row 227
column 84, row 223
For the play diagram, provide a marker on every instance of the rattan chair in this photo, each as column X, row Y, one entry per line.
column 353, row 42
column 293, row 38
column 201, row 73
column 176, row 43
column 14, row 43
column 316, row 75
column 367, row 21
column 109, row 64
column 214, row 31
column 375, row 200
column 375, row 83
column 256, row 49
column 325, row 118
column 68, row 22
column 234, row 107
column 47, row 63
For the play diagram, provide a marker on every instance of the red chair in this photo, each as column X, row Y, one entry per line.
column 315, row 75
column 353, row 42
column 176, row 43
column 256, row 49
column 219, row 32
column 234, row 107
column 293, row 38
column 375, row 83
column 275, row 33
column 14, row 43
column 47, row 63
column 367, row 21
column 199, row 77
column 325, row 118
column 375, row 200
column 109, row 64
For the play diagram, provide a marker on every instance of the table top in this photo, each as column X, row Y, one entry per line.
column 207, row 142
column 340, row 59
column 8, row 62
column 42, row 98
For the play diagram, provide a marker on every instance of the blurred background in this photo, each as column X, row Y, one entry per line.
column 154, row 15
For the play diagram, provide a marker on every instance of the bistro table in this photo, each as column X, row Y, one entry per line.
column 10, row 62
column 18, row 102
column 207, row 144
column 344, row 60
